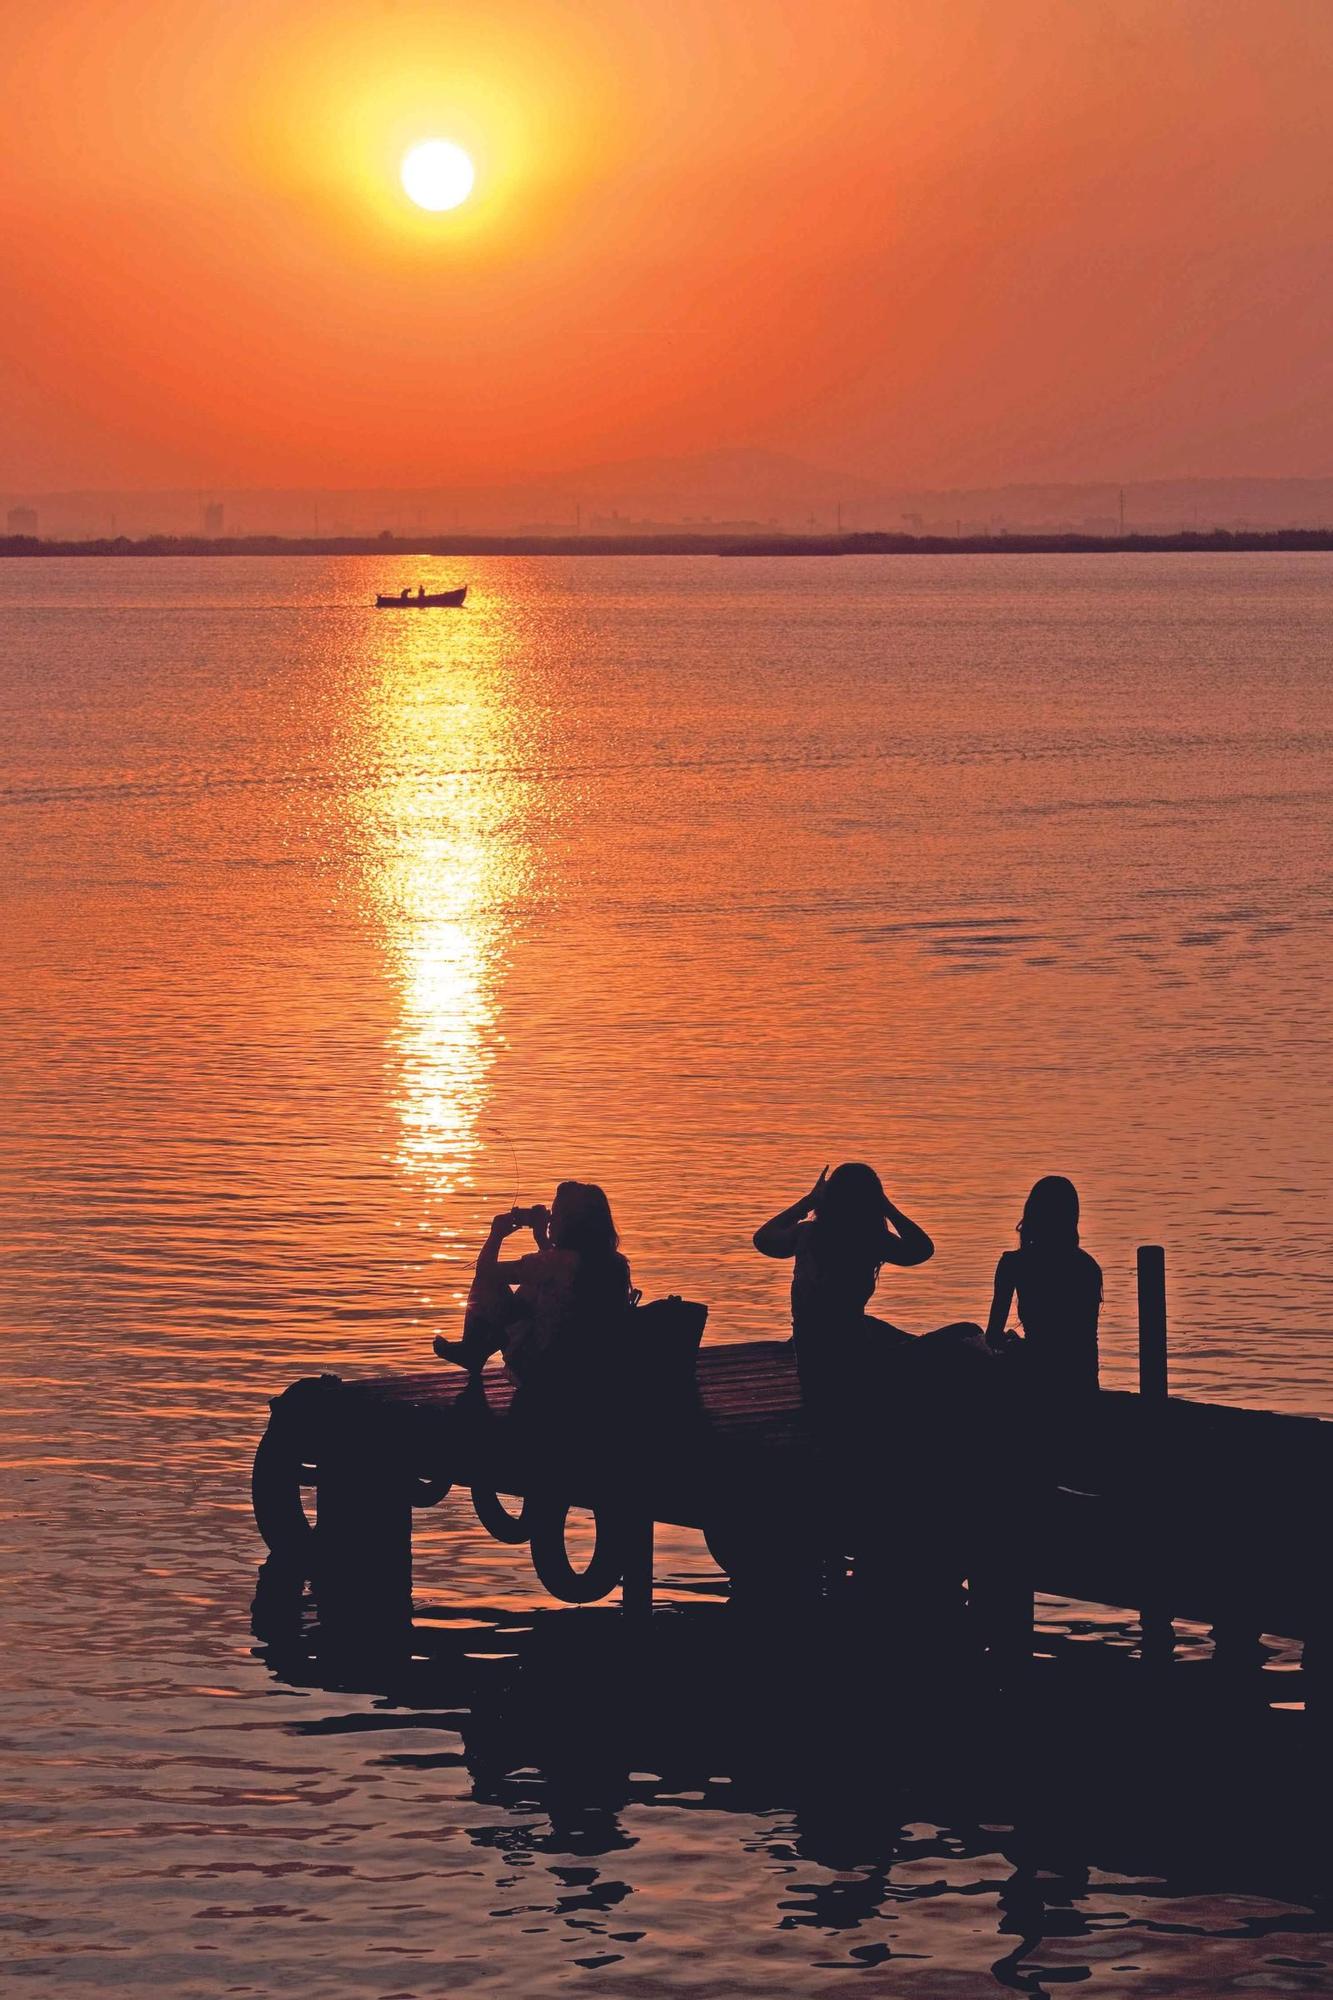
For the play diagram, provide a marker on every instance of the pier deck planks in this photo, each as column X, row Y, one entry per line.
column 1213, row 1513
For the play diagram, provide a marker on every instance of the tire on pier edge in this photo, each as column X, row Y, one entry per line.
column 495, row 1518
column 280, row 1470
column 551, row 1561
column 765, row 1549
column 287, row 1459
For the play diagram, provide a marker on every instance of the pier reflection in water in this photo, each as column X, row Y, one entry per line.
column 871, row 1791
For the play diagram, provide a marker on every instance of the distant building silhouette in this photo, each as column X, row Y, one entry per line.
column 23, row 520
column 616, row 523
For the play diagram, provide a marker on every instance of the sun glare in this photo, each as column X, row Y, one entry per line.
column 437, row 174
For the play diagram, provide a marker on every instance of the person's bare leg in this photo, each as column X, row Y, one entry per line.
column 473, row 1351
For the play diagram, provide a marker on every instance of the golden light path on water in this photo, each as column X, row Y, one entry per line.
column 433, row 890
column 447, row 859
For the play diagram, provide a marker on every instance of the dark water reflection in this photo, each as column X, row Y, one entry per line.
column 853, row 1794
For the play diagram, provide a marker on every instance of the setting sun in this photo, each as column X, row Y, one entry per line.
column 437, row 174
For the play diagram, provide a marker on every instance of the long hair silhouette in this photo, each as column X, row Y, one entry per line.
column 1056, row 1273
column 849, row 1222
column 1050, row 1216
column 581, row 1222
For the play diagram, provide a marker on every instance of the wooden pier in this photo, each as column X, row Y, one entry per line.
column 1175, row 1509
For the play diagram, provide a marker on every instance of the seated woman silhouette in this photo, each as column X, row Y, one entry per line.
column 1059, row 1291
column 551, row 1312
column 841, row 1235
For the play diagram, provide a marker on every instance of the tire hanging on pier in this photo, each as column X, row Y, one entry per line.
column 280, row 1471
column 550, row 1558
column 428, row 1491
column 286, row 1459
column 496, row 1519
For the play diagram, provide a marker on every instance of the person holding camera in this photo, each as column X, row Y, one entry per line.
column 550, row 1311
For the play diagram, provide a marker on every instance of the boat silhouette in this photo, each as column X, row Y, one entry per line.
column 422, row 600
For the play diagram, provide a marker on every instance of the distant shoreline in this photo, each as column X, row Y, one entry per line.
column 1219, row 541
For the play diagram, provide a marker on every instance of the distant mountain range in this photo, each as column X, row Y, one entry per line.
column 745, row 487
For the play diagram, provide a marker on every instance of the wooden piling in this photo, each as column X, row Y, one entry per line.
column 1152, row 1322
column 636, row 1590
column 1001, row 1604
column 363, row 1540
column 1157, row 1632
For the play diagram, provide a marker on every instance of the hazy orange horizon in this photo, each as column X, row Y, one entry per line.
column 1041, row 241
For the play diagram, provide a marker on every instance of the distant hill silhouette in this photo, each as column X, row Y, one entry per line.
column 742, row 484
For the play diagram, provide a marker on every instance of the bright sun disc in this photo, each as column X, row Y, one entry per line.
column 437, row 174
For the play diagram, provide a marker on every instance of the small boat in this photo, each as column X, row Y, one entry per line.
column 421, row 600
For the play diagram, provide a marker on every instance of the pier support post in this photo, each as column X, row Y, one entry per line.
column 1317, row 1682
column 1001, row 1603
column 1157, row 1634
column 363, row 1543
column 1152, row 1322
column 1000, row 1598
column 1238, row 1648
column 636, row 1589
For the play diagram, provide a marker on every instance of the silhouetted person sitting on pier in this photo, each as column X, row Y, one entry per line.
column 552, row 1312
column 1059, row 1291
column 841, row 1235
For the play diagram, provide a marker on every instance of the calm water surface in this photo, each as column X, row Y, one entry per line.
column 329, row 932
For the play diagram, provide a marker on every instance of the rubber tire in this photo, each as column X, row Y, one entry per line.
column 746, row 1553
column 501, row 1525
column 275, row 1492
column 737, row 1547
column 555, row 1571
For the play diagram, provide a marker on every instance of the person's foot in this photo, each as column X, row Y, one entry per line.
column 450, row 1350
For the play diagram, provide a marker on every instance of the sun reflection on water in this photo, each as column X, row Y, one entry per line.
column 434, row 897
column 448, row 862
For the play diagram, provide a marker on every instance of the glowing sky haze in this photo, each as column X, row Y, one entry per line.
column 994, row 240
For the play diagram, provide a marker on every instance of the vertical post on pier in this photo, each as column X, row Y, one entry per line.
column 363, row 1542
column 1152, row 1322
column 1317, row 1680
column 1157, row 1630
column 636, row 1588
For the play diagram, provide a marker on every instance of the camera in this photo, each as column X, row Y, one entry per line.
column 528, row 1218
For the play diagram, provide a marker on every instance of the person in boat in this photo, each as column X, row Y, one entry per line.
column 405, row 592
column 421, row 590
column 839, row 1237
column 1058, row 1287
column 552, row 1312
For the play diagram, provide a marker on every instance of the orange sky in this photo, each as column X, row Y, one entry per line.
column 965, row 242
